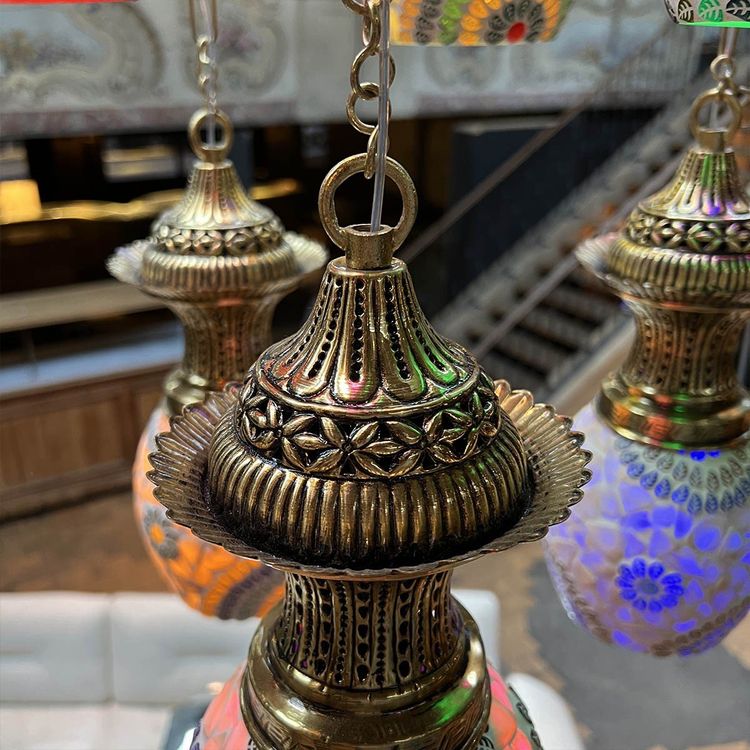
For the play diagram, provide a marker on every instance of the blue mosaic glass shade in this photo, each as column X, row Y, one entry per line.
column 656, row 558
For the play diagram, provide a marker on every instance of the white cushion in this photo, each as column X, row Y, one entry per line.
column 54, row 647
column 165, row 652
column 549, row 712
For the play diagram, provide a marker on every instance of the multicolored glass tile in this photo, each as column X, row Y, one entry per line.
column 471, row 23
column 656, row 558
column 710, row 12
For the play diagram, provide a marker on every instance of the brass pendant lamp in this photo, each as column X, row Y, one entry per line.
column 221, row 262
column 366, row 457
column 657, row 559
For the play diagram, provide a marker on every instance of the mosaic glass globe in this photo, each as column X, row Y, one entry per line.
column 510, row 727
column 657, row 556
column 476, row 22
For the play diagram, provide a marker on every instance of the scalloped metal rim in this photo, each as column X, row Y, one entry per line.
column 125, row 264
column 555, row 454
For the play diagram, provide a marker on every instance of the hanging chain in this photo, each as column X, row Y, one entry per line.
column 723, row 65
column 206, row 68
column 372, row 38
column 373, row 249
column 727, row 93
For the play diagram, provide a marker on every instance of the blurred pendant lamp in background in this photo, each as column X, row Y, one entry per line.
column 469, row 23
column 657, row 557
column 221, row 262
column 366, row 456
column 722, row 13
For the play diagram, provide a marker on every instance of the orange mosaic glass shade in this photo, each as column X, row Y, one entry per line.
column 207, row 577
column 470, row 23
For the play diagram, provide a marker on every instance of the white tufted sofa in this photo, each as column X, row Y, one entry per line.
column 103, row 672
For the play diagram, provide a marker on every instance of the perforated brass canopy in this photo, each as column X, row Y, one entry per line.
column 217, row 241
column 366, row 439
column 690, row 240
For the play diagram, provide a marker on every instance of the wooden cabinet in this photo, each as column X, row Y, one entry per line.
column 61, row 444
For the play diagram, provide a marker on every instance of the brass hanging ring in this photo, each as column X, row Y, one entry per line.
column 355, row 165
column 210, row 153
column 715, row 139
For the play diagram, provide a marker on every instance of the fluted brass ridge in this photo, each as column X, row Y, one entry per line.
column 682, row 265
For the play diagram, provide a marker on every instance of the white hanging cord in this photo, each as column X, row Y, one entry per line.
column 205, row 35
column 384, row 81
column 376, row 39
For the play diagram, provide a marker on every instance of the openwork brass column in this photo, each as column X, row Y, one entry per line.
column 221, row 262
column 657, row 559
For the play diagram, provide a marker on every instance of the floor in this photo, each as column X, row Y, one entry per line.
column 621, row 701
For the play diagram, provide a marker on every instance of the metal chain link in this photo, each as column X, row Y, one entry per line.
column 368, row 90
column 723, row 65
column 206, row 72
column 723, row 69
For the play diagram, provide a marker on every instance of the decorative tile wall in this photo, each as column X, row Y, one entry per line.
column 130, row 66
